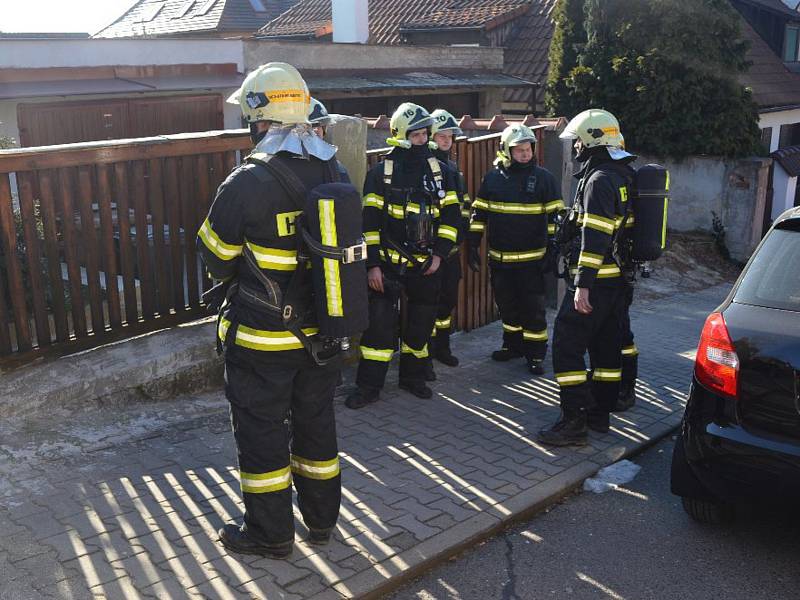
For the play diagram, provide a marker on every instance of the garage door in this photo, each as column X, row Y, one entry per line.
column 47, row 124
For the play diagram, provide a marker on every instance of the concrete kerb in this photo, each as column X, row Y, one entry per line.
column 427, row 555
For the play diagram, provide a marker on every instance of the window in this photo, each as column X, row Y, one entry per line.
column 258, row 6
column 205, row 7
column 185, row 8
column 790, row 41
column 773, row 278
column 149, row 12
column 766, row 137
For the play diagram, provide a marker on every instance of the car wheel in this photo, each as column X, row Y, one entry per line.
column 709, row 513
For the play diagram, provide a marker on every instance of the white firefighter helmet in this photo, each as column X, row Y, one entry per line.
column 513, row 135
column 596, row 127
column 407, row 118
column 318, row 115
column 273, row 92
column 444, row 122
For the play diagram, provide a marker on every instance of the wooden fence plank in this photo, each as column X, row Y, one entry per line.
column 122, row 195
column 172, row 193
column 204, row 199
column 188, row 202
column 155, row 188
column 143, row 263
column 30, row 232
column 86, row 197
column 65, row 181
column 47, row 205
column 109, row 248
column 5, row 318
column 13, row 267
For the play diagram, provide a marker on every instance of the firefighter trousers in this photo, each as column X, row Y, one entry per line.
column 448, row 298
column 519, row 294
column 630, row 353
column 283, row 422
column 380, row 339
column 599, row 333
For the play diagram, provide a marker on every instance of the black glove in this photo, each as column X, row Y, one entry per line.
column 474, row 258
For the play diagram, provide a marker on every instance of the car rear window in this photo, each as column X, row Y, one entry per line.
column 773, row 278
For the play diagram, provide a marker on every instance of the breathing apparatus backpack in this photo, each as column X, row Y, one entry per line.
column 649, row 203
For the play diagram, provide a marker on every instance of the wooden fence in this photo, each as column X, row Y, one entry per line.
column 97, row 240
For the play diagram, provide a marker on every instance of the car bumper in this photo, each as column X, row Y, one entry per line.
column 732, row 461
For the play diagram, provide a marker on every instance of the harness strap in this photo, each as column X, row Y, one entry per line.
column 388, row 171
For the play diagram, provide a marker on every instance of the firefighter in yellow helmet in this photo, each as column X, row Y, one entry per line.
column 411, row 218
column 273, row 384
column 444, row 131
column 590, row 316
column 517, row 203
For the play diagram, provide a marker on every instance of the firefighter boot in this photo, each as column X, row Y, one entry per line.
column 627, row 397
column 442, row 352
column 430, row 374
column 535, row 366
column 319, row 537
column 505, row 354
column 237, row 539
column 597, row 420
column 418, row 388
column 361, row 397
column 569, row 430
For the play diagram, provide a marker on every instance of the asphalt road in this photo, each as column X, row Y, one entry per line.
column 634, row 543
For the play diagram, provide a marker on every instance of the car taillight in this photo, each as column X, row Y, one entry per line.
column 716, row 365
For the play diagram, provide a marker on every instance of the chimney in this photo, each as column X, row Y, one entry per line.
column 350, row 21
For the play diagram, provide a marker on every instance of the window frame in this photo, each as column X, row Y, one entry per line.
column 796, row 28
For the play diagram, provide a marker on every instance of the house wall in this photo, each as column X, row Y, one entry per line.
column 32, row 54
column 775, row 120
column 784, row 189
column 305, row 55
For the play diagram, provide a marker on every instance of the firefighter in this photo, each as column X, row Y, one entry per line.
column 411, row 219
column 444, row 131
column 320, row 119
column 281, row 400
column 517, row 202
column 590, row 317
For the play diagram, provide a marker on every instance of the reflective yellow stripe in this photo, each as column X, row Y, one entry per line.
column 523, row 256
column 511, row 328
column 406, row 349
column 373, row 200
column 631, row 221
column 554, row 205
column 274, row 258
column 443, row 323
column 623, row 193
column 449, row 198
column 447, row 232
column 608, row 271
column 589, row 259
column 379, row 354
column 433, row 332
column 631, row 350
column 477, row 226
column 315, row 469
column 396, row 211
column 396, row 258
column 259, row 339
column 599, row 223
column 515, row 208
column 534, row 336
column 480, row 204
column 664, row 225
column 217, row 247
column 551, row 228
column 465, row 212
column 261, row 483
column 373, row 238
column 333, row 283
column 569, row 378
column 607, row 375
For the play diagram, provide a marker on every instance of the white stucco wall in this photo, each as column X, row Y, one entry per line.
column 775, row 120
column 31, row 54
column 784, row 188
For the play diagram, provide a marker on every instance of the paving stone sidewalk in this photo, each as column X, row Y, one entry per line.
column 131, row 509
